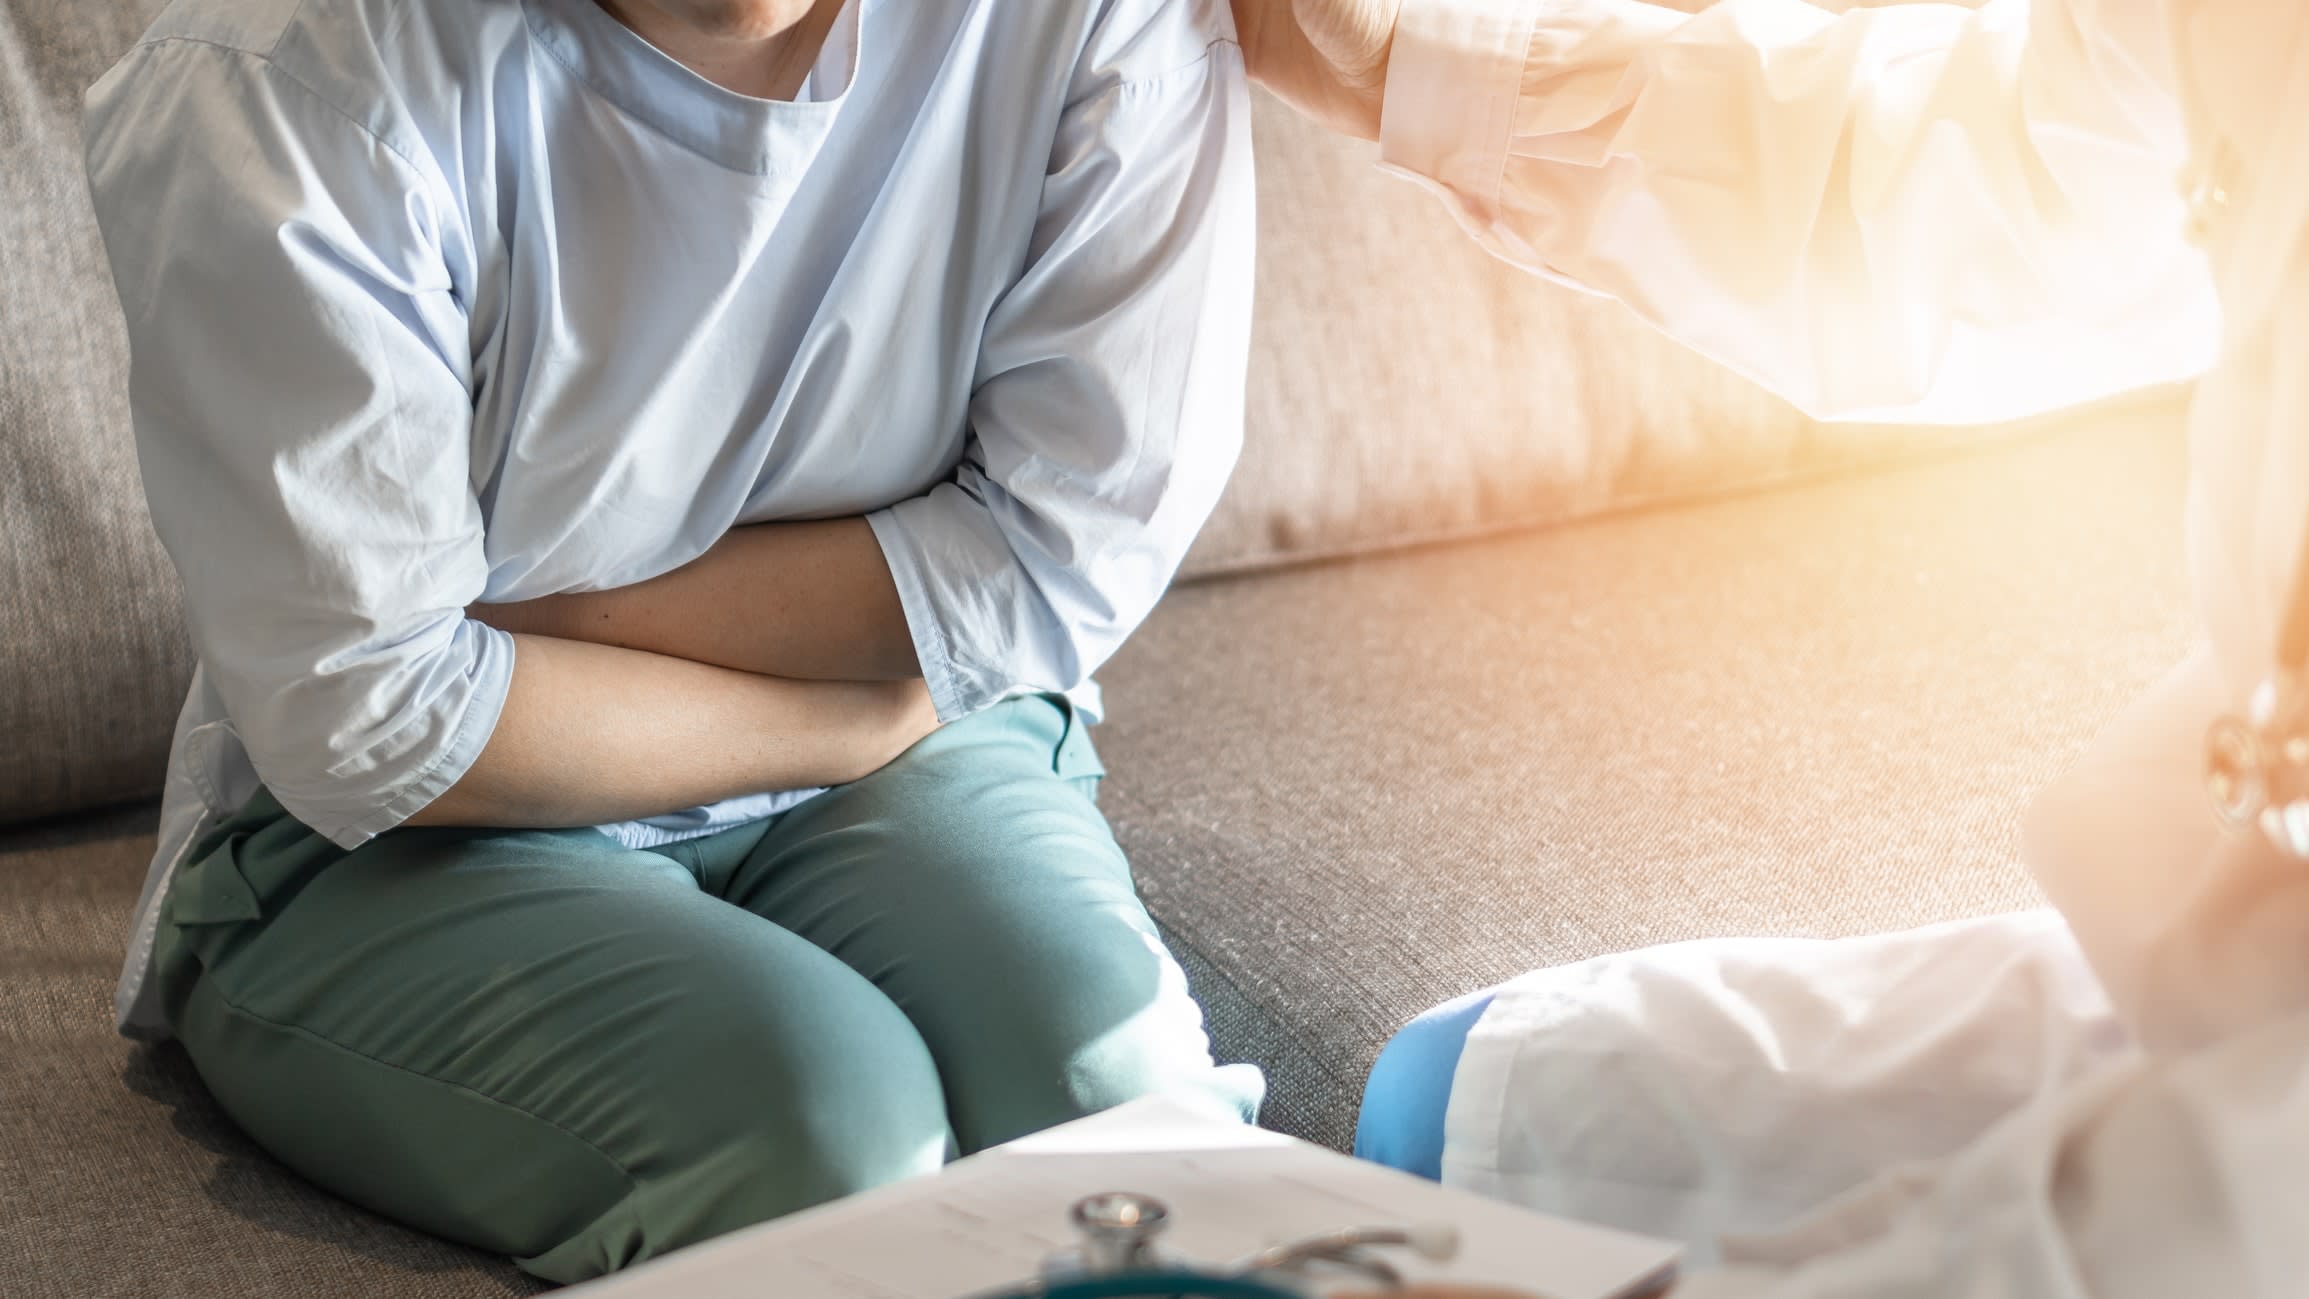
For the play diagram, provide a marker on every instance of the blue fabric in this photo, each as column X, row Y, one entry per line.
column 1410, row 1088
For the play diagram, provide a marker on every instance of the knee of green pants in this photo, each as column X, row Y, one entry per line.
column 1112, row 1074
column 766, row 1097
column 762, row 1165
column 1121, row 1027
column 562, row 1054
column 1124, row 1026
column 789, row 1126
column 990, row 900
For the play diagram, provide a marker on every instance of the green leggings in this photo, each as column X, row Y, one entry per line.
column 550, row 1046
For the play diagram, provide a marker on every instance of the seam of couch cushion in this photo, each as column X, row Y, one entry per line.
column 1852, row 463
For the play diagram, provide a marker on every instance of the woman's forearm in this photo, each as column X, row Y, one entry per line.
column 811, row 601
column 592, row 734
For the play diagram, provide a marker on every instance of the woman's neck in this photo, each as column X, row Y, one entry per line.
column 762, row 48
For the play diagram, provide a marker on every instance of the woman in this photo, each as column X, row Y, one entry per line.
column 652, row 481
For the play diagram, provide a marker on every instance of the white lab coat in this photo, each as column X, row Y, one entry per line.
column 1927, row 211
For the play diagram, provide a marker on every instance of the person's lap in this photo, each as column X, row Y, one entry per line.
column 545, row 1044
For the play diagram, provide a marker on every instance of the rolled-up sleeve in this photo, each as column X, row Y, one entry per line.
column 298, row 386
column 1922, row 212
column 1108, row 410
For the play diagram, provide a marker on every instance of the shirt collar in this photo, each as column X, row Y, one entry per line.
column 759, row 136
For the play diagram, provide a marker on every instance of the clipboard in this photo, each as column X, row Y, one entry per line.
column 991, row 1220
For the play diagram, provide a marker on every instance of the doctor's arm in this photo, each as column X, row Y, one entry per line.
column 2164, row 1176
column 1919, row 211
column 303, row 426
column 2172, row 1176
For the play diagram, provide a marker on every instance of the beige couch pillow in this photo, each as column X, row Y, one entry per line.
column 93, row 662
column 1406, row 386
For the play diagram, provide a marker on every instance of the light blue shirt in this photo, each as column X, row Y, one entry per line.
column 438, row 301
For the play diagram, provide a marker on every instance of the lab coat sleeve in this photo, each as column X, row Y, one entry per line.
column 1920, row 212
column 2167, row 1176
column 1109, row 403
column 303, row 427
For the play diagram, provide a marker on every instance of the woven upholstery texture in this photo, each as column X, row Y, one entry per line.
column 92, row 657
column 1350, row 791
column 119, row 1177
column 1405, row 386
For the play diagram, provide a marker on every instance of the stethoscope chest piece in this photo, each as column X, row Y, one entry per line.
column 2257, row 766
column 1116, row 1258
column 1116, row 1231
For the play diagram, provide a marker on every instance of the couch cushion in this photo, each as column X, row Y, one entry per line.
column 1405, row 386
column 92, row 658
column 1350, row 792
column 118, row 1175
column 1356, row 790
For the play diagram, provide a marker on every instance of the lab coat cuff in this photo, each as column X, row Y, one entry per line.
column 1453, row 80
column 483, row 703
column 908, row 566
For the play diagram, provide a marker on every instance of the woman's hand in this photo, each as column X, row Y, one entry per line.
column 538, row 617
column 1326, row 58
column 917, row 717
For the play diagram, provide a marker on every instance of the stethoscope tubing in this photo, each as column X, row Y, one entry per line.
column 1166, row 1284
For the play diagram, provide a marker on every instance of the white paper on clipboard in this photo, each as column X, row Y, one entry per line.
column 990, row 1221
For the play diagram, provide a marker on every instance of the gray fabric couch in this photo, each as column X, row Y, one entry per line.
column 1604, row 648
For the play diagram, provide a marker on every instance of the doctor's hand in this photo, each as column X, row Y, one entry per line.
column 1326, row 58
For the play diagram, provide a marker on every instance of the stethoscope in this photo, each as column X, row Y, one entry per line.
column 1117, row 1259
column 2257, row 762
